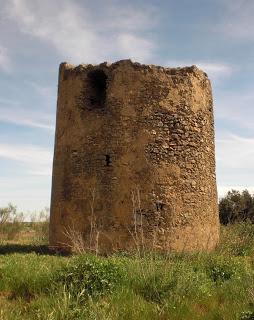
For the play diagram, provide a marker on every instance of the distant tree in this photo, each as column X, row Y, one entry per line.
column 7, row 214
column 10, row 222
column 236, row 206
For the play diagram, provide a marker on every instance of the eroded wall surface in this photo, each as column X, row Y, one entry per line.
column 134, row 159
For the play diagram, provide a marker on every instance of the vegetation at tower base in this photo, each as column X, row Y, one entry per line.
column 137, row 286
column 36, row 283
column 134, row 158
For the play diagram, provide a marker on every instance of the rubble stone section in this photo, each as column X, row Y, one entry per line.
column 134, row 161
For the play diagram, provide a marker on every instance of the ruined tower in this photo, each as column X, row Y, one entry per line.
column 134, row 159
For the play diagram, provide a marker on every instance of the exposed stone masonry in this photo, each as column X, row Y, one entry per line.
column 134, row 158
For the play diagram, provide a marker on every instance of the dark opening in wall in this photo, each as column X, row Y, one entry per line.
column 108, row 160
column 159, row 205
column 98, row 85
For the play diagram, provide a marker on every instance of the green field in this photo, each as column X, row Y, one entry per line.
column 35, row 284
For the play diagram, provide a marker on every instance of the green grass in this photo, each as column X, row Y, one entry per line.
column 218, row 285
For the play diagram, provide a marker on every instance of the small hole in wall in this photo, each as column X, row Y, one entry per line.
column 97, row 91
column 107, row 160
column 159, row 205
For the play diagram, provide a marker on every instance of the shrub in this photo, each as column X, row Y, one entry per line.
column 221, row 269
column 236, row 206
column 220, row 272
column 90, row 276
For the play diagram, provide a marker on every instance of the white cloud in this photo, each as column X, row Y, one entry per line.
column 28, row 154
column 40, row 115
column 58, row 24
column 20, row 116
column 236, row 107
column 128, row 18
column 80, row 36
column 235, row 161
column 215, row 70
column 235, row 152
column 5, row 62
column 238, row 19
column 37, row 160
column 45, row 91
column 134, row 47
column 223, row 190
column 20, row 120
column 28, row 194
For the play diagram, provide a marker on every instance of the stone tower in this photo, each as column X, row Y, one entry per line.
column 134, row 159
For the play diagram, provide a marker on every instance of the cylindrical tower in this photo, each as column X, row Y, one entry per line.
column 134, row 161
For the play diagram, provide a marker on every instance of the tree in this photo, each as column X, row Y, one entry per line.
column 236, row 206
column 7, row 214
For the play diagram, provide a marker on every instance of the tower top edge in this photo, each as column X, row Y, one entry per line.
column 136, row 65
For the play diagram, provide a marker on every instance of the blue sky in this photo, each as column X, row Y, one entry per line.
column 36, row 35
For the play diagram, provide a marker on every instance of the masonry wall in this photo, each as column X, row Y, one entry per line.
column 134, row 158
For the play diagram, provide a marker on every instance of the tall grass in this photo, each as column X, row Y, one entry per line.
column 10, row 222
column 40, row 225
column 151, row 285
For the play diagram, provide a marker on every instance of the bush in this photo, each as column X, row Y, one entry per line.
column 236, row 207
column 90, row 276
column 220, row 272
column 221, row 269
